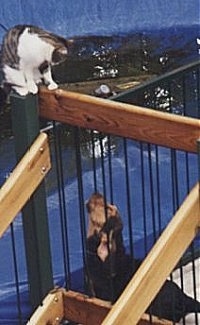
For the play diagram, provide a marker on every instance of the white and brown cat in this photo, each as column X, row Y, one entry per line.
column 27, row 55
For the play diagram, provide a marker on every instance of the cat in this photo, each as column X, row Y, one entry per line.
column 27, row 55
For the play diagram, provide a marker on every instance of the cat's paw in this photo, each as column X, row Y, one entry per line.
column 22, row 91
column 38, row 81
column 33, row 89
column 52, row 86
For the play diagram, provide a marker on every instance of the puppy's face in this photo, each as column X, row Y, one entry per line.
column 98, row 212
column 109, row 233
column 103, row 248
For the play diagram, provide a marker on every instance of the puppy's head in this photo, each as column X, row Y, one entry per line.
column 98, row 212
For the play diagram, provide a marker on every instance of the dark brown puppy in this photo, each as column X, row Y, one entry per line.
column 111, row 269
column 98, row 212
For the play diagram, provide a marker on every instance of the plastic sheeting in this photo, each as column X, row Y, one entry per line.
column 99, row 17
column 79, row 18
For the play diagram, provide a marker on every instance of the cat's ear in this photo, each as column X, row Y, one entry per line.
column 70, row 45
column 63, row 51
column 69, row 42
column 59, row 55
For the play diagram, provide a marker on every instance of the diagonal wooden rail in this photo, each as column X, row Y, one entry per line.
column 111, row 117
column 161, row 260
column 23, row 181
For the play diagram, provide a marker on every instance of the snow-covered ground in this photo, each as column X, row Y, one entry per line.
column 188, row 286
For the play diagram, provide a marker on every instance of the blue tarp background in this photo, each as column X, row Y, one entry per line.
column 80, row 18
column 99, row 17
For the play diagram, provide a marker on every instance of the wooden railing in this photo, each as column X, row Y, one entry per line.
column 141, row 290
column 128, row 121
column 161, row 260
column 23, row 181
column 121, row 119
column 155, row 127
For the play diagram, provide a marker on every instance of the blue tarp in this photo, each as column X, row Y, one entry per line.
column 99, row 17
column 79, row 18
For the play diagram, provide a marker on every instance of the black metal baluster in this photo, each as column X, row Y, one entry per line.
column 158, row 190
column 81, row 205
column 17, row 285
column 62, row 204
column 143, row 198
column 152, row 191
column 130, row 225
column 110, row 174
column 94, row 160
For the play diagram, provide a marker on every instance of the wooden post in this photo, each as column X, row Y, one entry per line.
column 35, row 225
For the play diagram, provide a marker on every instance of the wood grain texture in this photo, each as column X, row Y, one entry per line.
column 51, row 311
column 161, row 260
column 82, row 309
column 77, row 307
column 89, row 311
column 120, row 119
column 23, row 181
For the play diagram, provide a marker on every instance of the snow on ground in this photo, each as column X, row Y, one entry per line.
column 188, row 286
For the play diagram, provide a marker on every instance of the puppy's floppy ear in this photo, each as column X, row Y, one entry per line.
column 112, row 210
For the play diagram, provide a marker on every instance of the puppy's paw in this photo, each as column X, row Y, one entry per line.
column 33, row 89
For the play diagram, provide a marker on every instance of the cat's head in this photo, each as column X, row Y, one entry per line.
column 59, row 55
column 62, row 48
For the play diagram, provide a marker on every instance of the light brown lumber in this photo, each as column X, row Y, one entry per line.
column 161, row 260
column 69, row 305
column 23, row 181
column 111, row 117
column 51, row 311
column 83, row 309
column 89, row 311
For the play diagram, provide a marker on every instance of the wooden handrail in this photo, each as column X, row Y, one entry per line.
column 120, row 119
column 23, row 181
column 161, row 260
